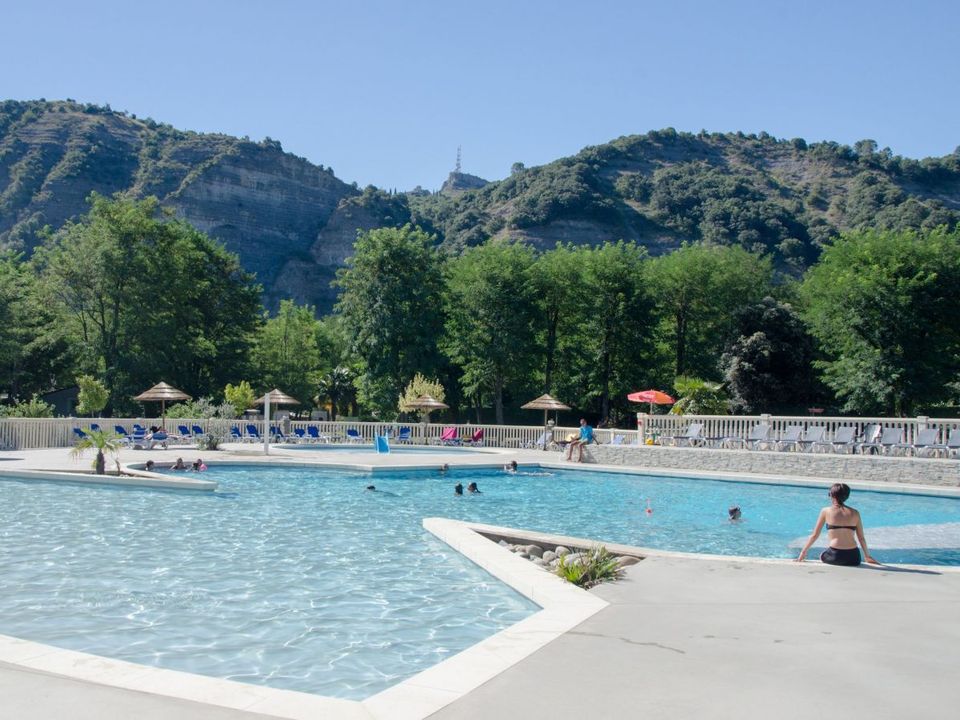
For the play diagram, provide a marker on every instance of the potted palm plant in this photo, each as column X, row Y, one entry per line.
column 102, row 442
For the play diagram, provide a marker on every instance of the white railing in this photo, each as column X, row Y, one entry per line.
column 25, row 433
column 726, row 426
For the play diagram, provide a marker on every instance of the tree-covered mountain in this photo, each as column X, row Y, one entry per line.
column 293, row 223
column 661, row 189
column 266, row 205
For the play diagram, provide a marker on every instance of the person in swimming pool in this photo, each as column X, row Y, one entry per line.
column 458, row 489
column 472, row 488
column 510, row 467
column 735, row 513
column 844, row 531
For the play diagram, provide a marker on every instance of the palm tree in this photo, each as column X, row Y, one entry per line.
column 336, row 386
column 103, row 442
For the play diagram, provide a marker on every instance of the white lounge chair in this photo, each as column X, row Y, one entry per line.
column 790, row 439
column 844, row 439
column 692, row 437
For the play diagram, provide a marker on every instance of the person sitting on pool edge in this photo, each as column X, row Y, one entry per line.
column 585, row 437
column 472, row 488
column 844, row 531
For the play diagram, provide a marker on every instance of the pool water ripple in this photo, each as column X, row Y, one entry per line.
column 299, row 578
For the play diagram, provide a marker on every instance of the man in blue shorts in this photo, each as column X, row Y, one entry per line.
column 586, row 436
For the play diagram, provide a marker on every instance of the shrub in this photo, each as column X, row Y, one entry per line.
column 590, row 567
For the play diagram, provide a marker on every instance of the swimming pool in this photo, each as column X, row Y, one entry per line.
column 299, row 578
column 369, row 449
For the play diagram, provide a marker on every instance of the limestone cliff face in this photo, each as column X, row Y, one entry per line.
column 266, row 205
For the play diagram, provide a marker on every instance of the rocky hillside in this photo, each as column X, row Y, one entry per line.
column 266, row 205
column 294, row 223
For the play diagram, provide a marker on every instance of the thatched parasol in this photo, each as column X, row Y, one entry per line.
column 161, row 392
column 277, row 397
column 425, row 404
column 545, row 402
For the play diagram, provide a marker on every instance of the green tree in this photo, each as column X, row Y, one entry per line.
column 616, row 324
column 491, row 310
column 391, row 303
column 239, row 397
column 699, row 397
column 420, row 385
column 32, row 408
column 558, row 277
column 286, row 354
column 883, row 306
column 768, row 367
column 93, row 395
column 35, row 355
column 337, row 388
column 698, row 290
column 102, row 442
column 146, row 298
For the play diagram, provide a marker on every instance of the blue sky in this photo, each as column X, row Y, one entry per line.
column 384, row 92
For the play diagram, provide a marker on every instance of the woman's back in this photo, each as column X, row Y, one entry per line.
column 841, row 524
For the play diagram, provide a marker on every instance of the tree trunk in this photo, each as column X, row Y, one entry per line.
column 498, row 400
column 101, row 467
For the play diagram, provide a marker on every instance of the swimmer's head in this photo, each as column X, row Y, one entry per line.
column 513, row 464
column 371, row 487
column 734, row 512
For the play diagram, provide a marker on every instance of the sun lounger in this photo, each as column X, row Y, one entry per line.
column 354, row 436
column 843, row 440
column 758, row 436
column 890, row 438
column 790, row 439
column 124, row 436
column 405, row 435
column 927, row 441
column 691, row 437
column 476, row 440
column 235, row 434
column 811, row 436
column 448, row 437
column 315, row 435
column 253, row 434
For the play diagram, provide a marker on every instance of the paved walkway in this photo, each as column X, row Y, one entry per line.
column 682, row 638
column 704, row 639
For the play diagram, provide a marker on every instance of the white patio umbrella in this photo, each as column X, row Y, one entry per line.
column 274, row 397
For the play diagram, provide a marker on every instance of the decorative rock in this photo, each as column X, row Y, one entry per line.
column 525, row 556
column 534, row 550
column 549, row 556
column 541, row 563
column 627, row 560
column 561, row 551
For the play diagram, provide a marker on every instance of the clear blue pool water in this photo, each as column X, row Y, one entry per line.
column 299, row 578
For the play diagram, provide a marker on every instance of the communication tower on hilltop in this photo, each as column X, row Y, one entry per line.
column 457, row 168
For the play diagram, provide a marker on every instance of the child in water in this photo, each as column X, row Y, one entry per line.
column 734, row 513
column 472, row 488
column 458, row 489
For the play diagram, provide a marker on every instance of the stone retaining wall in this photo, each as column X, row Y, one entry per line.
column 925, row 471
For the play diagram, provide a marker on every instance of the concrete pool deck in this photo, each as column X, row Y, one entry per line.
column 680, row 637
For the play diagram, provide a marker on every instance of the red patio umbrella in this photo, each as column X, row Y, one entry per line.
column 654, row 397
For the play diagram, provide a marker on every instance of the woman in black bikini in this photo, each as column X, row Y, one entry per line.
column 844, row 530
